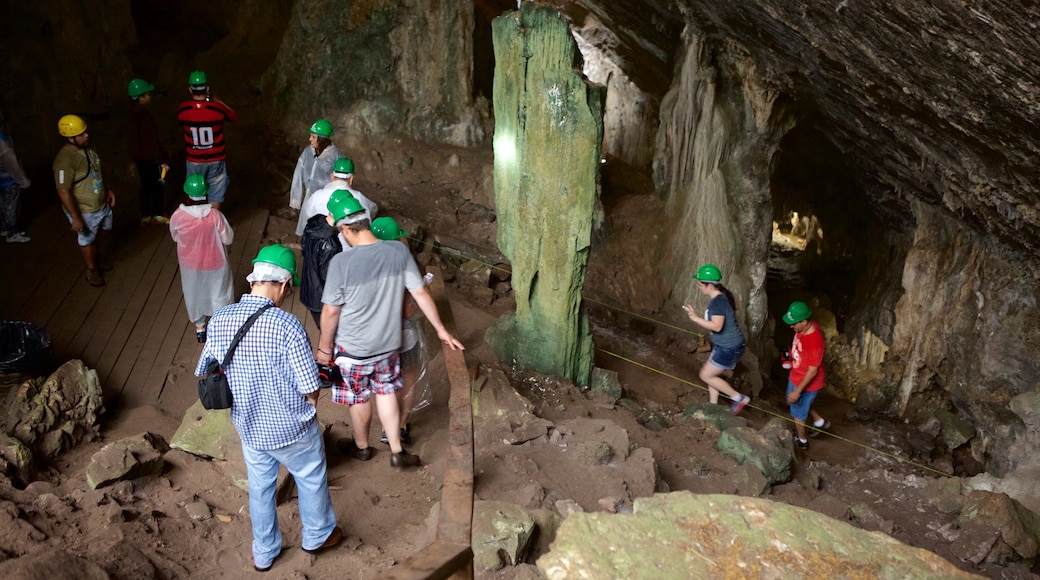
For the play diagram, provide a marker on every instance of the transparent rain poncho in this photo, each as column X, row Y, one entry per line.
column 202, row 235
column 311, row 174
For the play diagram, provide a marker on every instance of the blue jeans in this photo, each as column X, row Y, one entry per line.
column 305, row 460
column 9, row 208
column 216, row 178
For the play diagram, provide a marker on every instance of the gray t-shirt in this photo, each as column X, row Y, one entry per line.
column 730, row 335
column 367, row 284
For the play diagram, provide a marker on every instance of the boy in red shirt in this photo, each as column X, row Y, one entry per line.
column 807, row 377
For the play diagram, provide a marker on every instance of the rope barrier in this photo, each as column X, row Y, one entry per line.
column 704, row 388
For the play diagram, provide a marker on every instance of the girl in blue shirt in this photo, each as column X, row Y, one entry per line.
column 728, row 342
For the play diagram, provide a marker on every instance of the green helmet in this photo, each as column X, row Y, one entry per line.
column 196, row 187
column 343, row 167
column 343, row 205
column 138, row 87
column 797, row 312
column 197, row 79
column 386, row 228
column 708, row 273
column 322, row 128
column 280, row 256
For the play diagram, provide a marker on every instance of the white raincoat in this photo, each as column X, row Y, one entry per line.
column 202, row 235
column 311, row 174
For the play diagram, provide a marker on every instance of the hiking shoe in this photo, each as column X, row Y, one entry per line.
column 802, row 443
column 815, row 431
column 17, row 238
column 145, row 221
column 200, row 335
column 348, row 447
column 737, row 406
column 404, row 459
column 332, row 541
column 405, row 439
column 94, row 277
column 104, row 265
column 160, row 219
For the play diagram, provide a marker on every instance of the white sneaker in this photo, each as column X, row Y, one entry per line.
column 17, row 238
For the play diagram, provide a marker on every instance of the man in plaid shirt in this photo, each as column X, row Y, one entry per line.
column 274, row 387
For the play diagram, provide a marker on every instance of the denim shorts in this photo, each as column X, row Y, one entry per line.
column 92, row 224
column 726, row 358
column 800, row 409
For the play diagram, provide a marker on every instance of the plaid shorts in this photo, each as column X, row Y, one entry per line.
column 361, row 379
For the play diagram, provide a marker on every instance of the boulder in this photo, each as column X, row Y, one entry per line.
column 683, row 535
column 717, row 416
column 605, row 386
column 764, row 451
column 999, row 511
column 50, row 416
column 501, row 534
column 127, row 459
column 956, row 430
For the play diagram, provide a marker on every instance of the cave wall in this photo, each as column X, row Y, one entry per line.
column 379, row 67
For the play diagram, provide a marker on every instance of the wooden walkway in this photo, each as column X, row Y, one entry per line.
column 134, row 331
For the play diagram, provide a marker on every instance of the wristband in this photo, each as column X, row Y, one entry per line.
column 324, row 352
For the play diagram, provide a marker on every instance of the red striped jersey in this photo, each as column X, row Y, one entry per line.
column 203, row 124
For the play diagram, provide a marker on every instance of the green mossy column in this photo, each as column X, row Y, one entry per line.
column 548, row 134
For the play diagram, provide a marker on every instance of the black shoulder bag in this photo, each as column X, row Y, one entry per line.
column 214, row 391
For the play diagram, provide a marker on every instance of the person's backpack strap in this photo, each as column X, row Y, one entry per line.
column 242, row 332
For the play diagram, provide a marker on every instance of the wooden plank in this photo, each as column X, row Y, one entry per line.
column 450, row 555
column 135, row 302
column 456, row 515
column 124, row 294
column 49, row 232
column 151, row 316
column 434, row 562
column 144, row 382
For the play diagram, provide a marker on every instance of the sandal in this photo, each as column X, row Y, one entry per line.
column 94, row 277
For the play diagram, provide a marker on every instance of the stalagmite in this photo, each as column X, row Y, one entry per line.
column 548, row 134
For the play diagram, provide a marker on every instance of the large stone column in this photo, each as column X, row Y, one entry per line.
column 548, row 134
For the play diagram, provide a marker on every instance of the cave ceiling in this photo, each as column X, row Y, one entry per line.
column 936, row 101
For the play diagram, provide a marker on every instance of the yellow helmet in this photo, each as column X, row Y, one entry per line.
column 71, row 125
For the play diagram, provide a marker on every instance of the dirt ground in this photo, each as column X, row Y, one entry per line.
column 156, row 527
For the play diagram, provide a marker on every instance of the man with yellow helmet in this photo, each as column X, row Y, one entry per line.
column 87, row 201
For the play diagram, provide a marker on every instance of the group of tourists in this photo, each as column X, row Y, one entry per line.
column 360, row 284
column 804, row 358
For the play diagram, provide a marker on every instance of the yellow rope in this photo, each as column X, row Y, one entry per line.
column 783, row 417
column 704, row 388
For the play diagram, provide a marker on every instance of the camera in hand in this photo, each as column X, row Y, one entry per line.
column 329, row 375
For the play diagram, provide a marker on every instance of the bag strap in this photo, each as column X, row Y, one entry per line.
column 242, row 332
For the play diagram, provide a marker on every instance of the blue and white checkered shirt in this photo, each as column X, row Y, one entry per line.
column 270, row 372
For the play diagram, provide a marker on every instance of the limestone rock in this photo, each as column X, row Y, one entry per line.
column 717, row 416
column 998, row 510
column 766, row 452
column 956, row 430
column 127, row 459
column 682, row 535
column 501, row 533
column 605, row 385
column 52, row 415
column 548, row 136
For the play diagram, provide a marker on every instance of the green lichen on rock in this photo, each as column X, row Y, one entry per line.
column 548, row 134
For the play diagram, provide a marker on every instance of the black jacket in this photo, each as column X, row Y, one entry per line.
column 320, row 242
